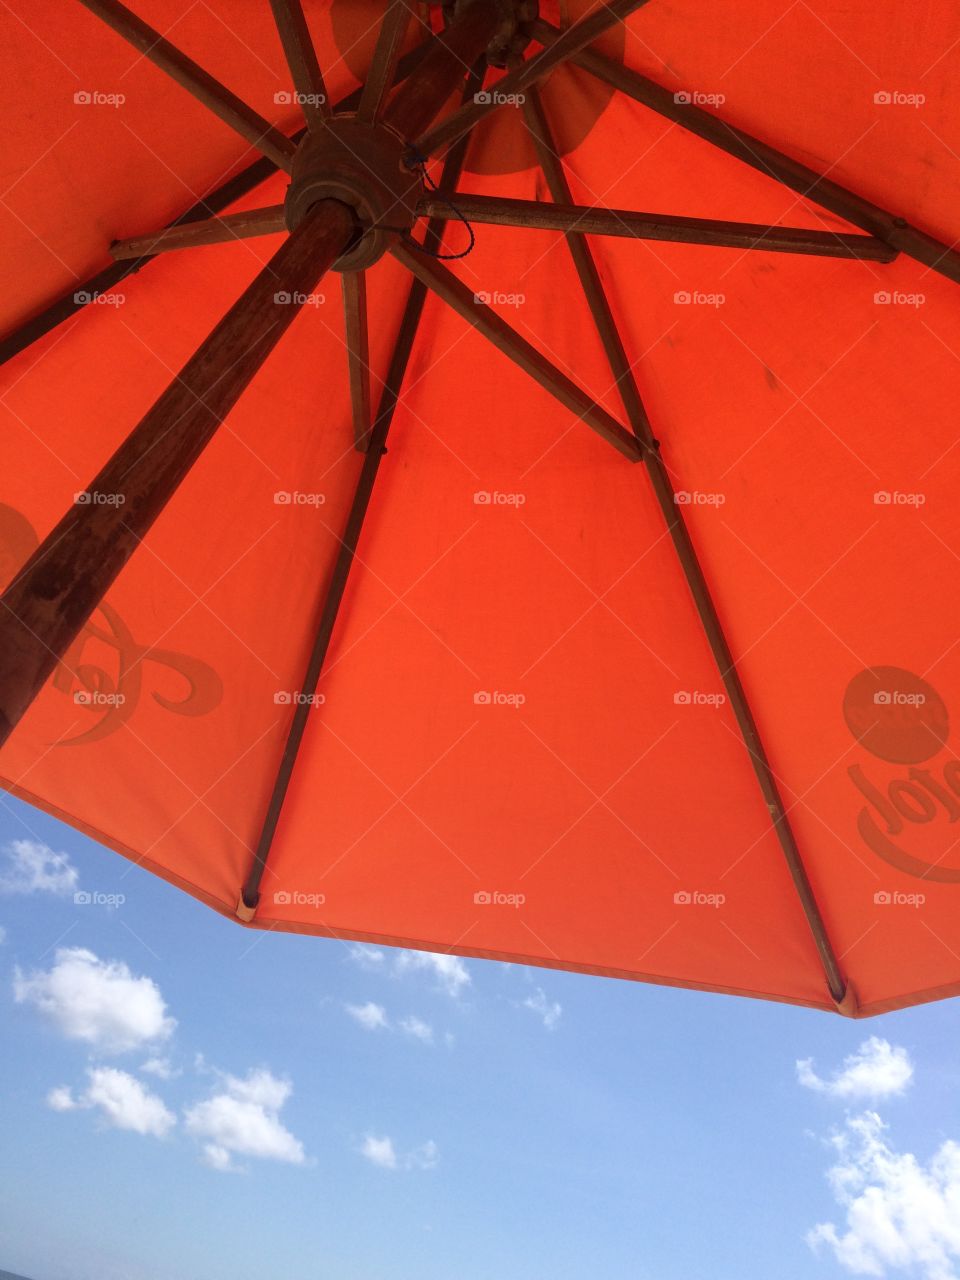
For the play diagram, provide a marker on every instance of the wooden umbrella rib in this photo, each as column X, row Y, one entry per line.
column 499, row 211
column 258, row 131
column 620, row 367
column 383, row 66
column 230, row 226
column 358, row 353
column 301, row 58
column 560, row 50
column 830, row 195
column 333, row 597
column 506, row 339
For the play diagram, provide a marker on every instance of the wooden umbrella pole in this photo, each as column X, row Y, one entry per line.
column 65, row 579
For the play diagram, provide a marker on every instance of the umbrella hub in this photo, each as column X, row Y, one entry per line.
column 513, row 29
column 363, row 166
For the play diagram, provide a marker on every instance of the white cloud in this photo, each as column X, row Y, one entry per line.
column 122, row 1099
column 900, row 1213
column 416, row 1027
column 365, row 956
column 370, row 1016
column 32, row 867
column 243, row 1119
column 381, row 1152
column 548, row 1010
column 219, row 1158
column 425, row 1157
column 162, row 1068
column 97, row 1001
column 878, row 1069
column 450, row 971
column 61, row 1099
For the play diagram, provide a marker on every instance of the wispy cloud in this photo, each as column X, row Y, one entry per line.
column 548, row 1011
column 450, row 971
column 121, row 1099
column 416, row 1027
column 383, row 1153
column 379, row 1151
column 878, row 1069
column 28, row 866
column 366, row 957
column 372, row 1017
column 162, row 1068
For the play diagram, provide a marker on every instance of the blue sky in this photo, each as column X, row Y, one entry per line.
column 181, row 1097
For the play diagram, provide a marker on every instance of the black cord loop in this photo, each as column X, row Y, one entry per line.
column 418, row 163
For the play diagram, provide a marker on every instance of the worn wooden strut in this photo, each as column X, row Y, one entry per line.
column 333, row 595
column 666, row 498
column 497, row 211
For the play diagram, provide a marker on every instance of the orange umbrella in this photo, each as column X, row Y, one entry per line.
column 499, row 690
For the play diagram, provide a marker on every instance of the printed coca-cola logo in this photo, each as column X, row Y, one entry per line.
column 901, row 720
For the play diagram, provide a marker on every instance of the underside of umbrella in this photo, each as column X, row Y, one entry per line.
column 536, row 537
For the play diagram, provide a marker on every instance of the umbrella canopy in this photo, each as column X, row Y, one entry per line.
column 631, row 649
